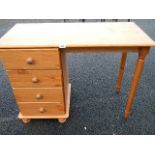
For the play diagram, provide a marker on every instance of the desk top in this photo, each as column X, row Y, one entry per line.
column 75, row 35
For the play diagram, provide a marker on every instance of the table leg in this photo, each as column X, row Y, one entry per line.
column 138, row 70
column 121, row 71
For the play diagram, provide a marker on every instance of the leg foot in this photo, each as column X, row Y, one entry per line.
column 25, row 120
column 117, row 90
column 62, row 120
column 126, row 115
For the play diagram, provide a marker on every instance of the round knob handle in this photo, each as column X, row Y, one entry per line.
column 38, row 96
column 34, row 79
column 29, row 60
column 42, row 110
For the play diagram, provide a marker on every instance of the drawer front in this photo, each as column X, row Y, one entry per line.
column 41, row 109
column 30, row 58
column 35, row 78
column 39, row 95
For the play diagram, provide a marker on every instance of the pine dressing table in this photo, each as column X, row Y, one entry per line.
column 34, row 56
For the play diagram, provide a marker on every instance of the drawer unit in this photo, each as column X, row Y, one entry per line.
column 30, row 58
column 35, row 78
column 41, row 109
column 39, row 95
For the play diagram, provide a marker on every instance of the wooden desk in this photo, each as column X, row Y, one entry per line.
column 34, row 56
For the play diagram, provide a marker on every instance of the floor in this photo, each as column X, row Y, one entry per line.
column 95, row 106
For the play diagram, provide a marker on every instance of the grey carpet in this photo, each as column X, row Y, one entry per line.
column 95, row 107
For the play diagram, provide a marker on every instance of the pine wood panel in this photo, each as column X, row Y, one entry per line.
column 26, row 78
column 47, row 95
column 30, row 58
column 65, row 74
column 41, row 109
column 75, row 35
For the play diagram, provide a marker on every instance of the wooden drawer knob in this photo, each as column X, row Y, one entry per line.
column 42, row 110
column 35, row 80
column 38, row 96
column 29, row 60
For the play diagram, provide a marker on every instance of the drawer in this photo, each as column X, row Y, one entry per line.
column 35, row 78
column 39, row 95
column 41, row 109
column 30, row 58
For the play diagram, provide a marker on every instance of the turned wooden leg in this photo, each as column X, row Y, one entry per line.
column 25, row 120
column 121, row 71
column 62, row 120
column 138, row 70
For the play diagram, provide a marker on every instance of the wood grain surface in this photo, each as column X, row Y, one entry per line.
column 41, row 58
column 44, row 78
column 47, row 95
column 75, row 35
